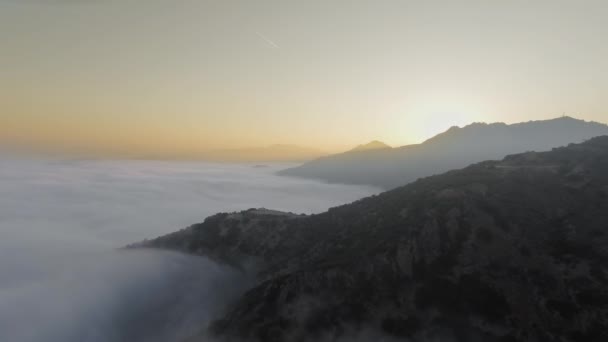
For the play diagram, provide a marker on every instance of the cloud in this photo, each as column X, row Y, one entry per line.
column 61, row 277
column 267, row 40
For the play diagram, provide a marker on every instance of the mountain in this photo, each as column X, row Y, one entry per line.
column 372, row 145
column 510, row 250
column 279, row 152
column 455, row 148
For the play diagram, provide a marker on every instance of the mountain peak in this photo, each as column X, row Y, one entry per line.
column 372, row 145
column 498, row 128
column 567, row 118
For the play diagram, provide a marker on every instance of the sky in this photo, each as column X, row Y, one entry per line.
column 181, row 77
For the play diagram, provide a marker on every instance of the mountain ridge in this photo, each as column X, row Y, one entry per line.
column 455, row 148
column 509, row 250
column 372, row 145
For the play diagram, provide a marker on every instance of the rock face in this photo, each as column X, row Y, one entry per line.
column 453, row 149
column 511, row 250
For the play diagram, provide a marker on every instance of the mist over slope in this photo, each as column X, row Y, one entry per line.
column 117, row 296
column 62, row 278
column 510, row 250
column 453, row 149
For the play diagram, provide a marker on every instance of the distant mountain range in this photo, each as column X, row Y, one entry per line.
column 272, row 153
column 372, row 145
column 501, row 251
column 455, row 148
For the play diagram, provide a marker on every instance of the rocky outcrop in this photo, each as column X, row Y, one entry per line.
column 511, row 250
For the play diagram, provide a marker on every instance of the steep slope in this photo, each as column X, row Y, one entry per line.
column 511, row 250
column 455, row 148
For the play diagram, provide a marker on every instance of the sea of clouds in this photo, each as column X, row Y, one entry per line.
column 62, row 278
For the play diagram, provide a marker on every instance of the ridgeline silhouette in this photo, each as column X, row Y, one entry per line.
column 511, row 250
column 453, row 149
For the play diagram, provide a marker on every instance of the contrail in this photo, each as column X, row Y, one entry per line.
column 267, row 40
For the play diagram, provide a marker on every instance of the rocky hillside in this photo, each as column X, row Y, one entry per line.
column 511, row 250
column 453, row 149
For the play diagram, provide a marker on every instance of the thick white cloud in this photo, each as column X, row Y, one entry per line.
column 61, row 278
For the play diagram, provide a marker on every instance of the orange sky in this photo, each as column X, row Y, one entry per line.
column 177, row 78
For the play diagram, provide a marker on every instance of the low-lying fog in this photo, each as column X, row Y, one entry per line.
column 61, row 277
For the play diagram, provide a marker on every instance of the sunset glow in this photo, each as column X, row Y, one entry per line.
column 177, row 79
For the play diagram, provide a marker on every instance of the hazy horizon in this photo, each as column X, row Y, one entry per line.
column 273, row 153
column 177, row 79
